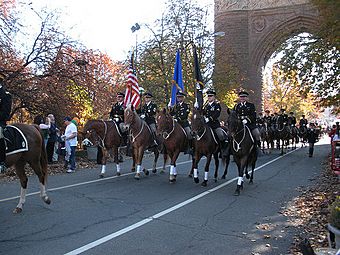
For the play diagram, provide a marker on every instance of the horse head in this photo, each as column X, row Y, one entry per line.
column 234, row 122
column 130, row 116
column 197, row 121
column 165, row 122
column 90, row 132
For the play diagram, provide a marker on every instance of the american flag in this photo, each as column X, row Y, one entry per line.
column 132, row 89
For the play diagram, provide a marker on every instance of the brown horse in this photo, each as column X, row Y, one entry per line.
column 36, row 157
column 106, row 135
column 174, row 139
column 141, row 139
column 205, row 144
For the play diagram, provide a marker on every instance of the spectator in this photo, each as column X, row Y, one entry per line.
column 45, row 129
column 52, row 140
column 70, row 138
column 312, row 138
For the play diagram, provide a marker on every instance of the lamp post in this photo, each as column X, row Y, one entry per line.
column 135, row 28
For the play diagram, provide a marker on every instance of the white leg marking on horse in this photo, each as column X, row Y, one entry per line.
column 103, row 169
column 195, row 173
column 239, row 180
column 22, row 199
column 171, row 169
column 206, row 176
column 42, row 190
column 175, row 171
column 118, row 168
column 138, row 168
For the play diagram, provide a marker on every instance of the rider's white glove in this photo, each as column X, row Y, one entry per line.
column 142, row 116
column 196, row 104
column 63, row 137
column 116, row 119
column 169, row 104
column 206, row 119
column 244, row 121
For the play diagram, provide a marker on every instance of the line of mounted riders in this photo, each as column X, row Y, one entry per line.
column 169, row 132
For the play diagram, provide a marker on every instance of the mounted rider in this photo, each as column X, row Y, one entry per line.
column 303, row 121
column 211, row 113
column 260, row 120
column 148, row 113
column 247, row 113
column 5, row 114
column 282, row 118
column 180, row 113
column 291, row 120
column 268, row 118
column 117, row 111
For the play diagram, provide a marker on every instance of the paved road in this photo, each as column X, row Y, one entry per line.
column 150, row 216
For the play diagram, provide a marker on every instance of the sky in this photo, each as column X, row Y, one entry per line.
column 106, row 24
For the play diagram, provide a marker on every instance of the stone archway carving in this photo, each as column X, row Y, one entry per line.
column 253, row 31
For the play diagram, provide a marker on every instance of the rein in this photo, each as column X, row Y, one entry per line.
column 166, row 135
column 238, row 144
column 134, row 137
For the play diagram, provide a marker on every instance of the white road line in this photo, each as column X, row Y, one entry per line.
column 160, row 214
column 84, row 183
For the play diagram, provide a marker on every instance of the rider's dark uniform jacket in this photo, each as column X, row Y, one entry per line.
column 312, row 135
column 260, row 121
column 212, row 112
column 149, row 110
column 303, row 122
column 282, row 119
column 180, row 112
column 291, row 120
column 268, row 120
column 117, row 112
column 247, row 111
column 5, row 106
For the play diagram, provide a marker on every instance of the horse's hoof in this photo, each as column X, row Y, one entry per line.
column 101, row 176
column 154, row 171
column 215, row 179
column 196, row 180
column 223, row 177
column 251, row 182
column 137, row 176
column 17, row 210
column 118, row 173
column 133, row 169
column 47, row 200
column 172, row 180
column 204, row 184
column 190, row 175
column 241, row 186
column 146, row 172
column 247, row 176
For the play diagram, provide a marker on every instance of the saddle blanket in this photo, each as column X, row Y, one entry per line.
column 15, row 140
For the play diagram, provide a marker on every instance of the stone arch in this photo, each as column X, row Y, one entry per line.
column 254, row 30
column 270, row 42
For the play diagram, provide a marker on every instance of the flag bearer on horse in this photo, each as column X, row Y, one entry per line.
column 247, row 113
column 5, row 111
column 148, row 113
column 180, row 113
column 211, row 113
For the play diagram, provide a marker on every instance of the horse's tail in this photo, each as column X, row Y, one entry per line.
column 43, row 155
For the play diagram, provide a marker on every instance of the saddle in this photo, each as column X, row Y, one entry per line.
column 15, row 140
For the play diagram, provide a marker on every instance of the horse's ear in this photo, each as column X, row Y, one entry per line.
column 228, row 110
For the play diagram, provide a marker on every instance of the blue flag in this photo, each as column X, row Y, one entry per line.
column 177, row 82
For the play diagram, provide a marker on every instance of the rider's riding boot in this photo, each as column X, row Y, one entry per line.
column 188, row 149
column 155, row 144
column 224, row 148
column 3, row 167
column 258, row 147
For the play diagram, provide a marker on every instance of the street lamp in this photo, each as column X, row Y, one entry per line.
column 135, row 28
